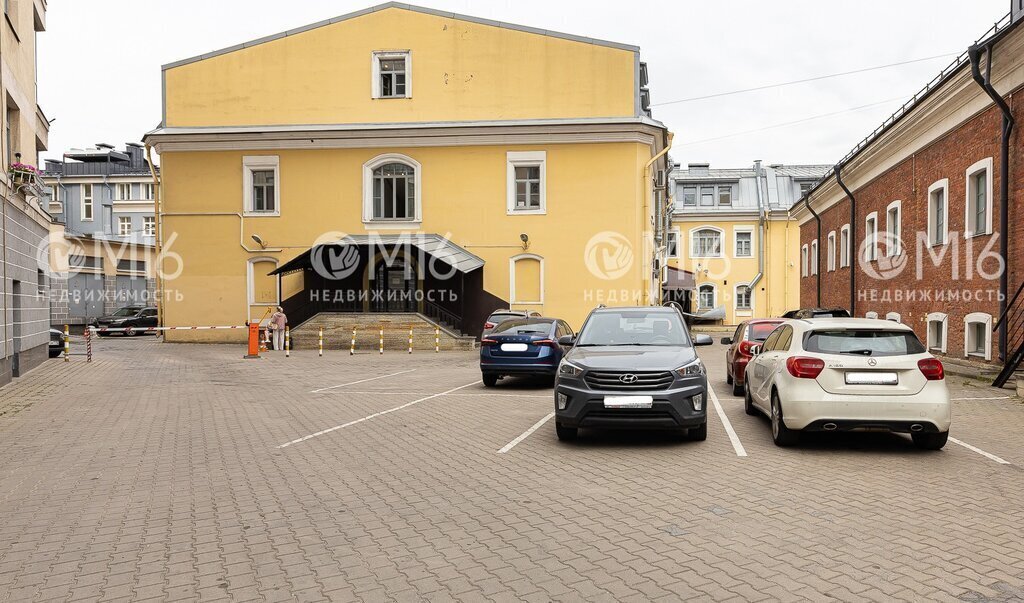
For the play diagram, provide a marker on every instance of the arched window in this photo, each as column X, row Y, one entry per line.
column 706, row 242
column 262, row 286
column 391, row 189
column 937, row 332
column 894, row 316
column 744, row 298
column 871, row 314
column 978, row 335
column 706, row 296
column 526, row 279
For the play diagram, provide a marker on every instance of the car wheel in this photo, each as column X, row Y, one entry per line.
column 697, row 434
column 490, row 379
column 737, row 388
column 748, row 403
column 930, row 441
column 781, row 435
column 566, row 434
column 728, row 378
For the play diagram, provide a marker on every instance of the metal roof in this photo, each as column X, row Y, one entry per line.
column 436, row 245
column 722, row 174
column 802, row 171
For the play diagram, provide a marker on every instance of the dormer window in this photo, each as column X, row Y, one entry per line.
column 391, row 74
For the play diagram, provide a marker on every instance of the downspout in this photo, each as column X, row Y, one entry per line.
column 850, row 256
column 760, row 231
column 159, row 237
column 817, row 268
column 974, row 53
column 657, row 214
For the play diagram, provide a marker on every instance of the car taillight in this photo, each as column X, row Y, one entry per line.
column 488, row 341
column 488, row 325
column 544, row 342
column 804, row 368
column 932, row 369
column 744, row 348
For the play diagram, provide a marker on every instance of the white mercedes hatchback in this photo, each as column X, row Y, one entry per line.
column 848, row 374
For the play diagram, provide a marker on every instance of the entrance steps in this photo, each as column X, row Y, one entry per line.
column 338, row 332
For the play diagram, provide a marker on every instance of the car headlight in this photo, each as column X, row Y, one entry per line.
column 692, row 369
column 567, row 369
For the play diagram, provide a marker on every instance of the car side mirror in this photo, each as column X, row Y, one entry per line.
column 755, row 350
column 566, row 340
column 702, row 340
column 727, row 340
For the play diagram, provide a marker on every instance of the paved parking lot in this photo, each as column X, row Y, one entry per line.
column 183, row 472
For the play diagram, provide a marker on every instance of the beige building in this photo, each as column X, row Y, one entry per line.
column 25, row 224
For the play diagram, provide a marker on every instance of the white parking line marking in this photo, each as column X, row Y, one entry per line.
column 323, row 389
column 980, row 451
column 525, row 434
column 466, row 395
column 992, row 398
column 735, row 439
column 374, row 415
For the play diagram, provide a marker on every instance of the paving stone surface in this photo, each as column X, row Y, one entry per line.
column 156, row 473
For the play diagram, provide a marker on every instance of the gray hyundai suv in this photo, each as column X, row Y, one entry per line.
column 632, row 368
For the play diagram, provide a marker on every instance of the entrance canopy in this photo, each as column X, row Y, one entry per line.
column 433, row 244
column 679, row 280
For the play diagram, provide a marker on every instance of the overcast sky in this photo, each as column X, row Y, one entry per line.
column 99, row 61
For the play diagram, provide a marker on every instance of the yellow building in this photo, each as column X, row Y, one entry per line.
column 402, row 159
column 730, row 228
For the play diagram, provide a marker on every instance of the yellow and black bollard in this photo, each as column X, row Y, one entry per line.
column 321, row 342
column 352, row 347
column 287, row 342
column 67, row 343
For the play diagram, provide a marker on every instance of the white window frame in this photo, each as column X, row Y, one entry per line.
column 146, row 190
column 735, row 300
column 844, row 246
column 978, row 318
column 91, row 203
column 120, row 226
column 146, row 222
column 894, row 316
column 123, row 186
column 804, row 259
column 894, row 237
column 939, row 346
column 673, row 233
column 693, row 241
column 814, row 259
column 970, row 229
column 375, row 163
column 830, row 249
column 514, row 159
column 250, row 282
column 871, row 232
column 714, row 296
column 250, row 164
column 735, row 240
column 383, row 55
column 938, row 185
column 512, row 279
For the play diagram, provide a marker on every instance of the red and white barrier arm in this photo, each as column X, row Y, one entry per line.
column 153, row 329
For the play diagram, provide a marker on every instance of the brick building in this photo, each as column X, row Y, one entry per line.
column 921, row 212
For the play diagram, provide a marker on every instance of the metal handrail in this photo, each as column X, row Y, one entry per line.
column 1009, row 306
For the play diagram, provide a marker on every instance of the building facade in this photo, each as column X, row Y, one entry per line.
column 731, row 230
column 103, row 236
column 920, row 222
column 24, row 282
column 402, row 159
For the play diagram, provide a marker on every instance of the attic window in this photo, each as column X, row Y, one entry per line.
column 391, row 74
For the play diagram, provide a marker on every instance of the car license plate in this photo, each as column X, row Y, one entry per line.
column 628, row 401
column 872, row 378
column 514, row 347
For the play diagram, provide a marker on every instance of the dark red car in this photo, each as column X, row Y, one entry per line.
column 748, row 334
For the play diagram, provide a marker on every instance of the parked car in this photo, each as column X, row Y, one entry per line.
column 136, row 317
column 523, row 346
column 818, row 313
column 748, row 334
column 833, row 374
column 632, row 368
column 56, row 345
column 499, row 315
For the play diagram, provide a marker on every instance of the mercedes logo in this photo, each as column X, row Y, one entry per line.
column 628, row 378
column 872, row 362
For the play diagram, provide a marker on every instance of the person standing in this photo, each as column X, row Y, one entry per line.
column 278, row 322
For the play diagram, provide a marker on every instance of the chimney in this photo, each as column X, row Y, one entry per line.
column 135, row 154
column 698, row 169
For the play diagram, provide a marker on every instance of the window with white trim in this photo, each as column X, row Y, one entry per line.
column 871, row 237
column 706, row 296
column 706, row 243
column 147, row 191
column 124, row 226
column 392, row 186
column 830, row 259
column 689, row 196
column 123, row 191
column 87, row 205
column 937, row 332
column 263, row 287
column 844, row 246
column 261, row 192
column 391, row 74
column 803, row 261
column 894, row 229
column 938, row 212
column 526, row 279
column 978, row 218
column 743, row 242
column 871, row 314
column 894, row 316
column 744, row 299
column 672, row 244
column 149, row 226
column 814, row 257
column 527, row 175
column 707, row 196
column 978, row 335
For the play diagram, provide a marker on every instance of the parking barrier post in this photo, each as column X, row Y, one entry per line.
column 67, row 343
column 352, row 348
column 287, row 342
column 88, row 344
column 410, row 340
column 437, row 339
column 321, row 343
column 382, row 339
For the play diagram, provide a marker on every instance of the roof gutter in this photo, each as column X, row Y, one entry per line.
column 850, row 240
column 985, row 82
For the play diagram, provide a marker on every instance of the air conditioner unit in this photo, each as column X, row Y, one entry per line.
column 659, row 179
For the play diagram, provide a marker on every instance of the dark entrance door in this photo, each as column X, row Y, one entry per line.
column 394, row 288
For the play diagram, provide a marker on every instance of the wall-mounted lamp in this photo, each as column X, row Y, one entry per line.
column 525, row 238
column 259, row 241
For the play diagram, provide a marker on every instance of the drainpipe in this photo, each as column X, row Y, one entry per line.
column 760, row 230
column 850, row 243
column 974, row 53
column 817, row 268
column 658, row 218
column 159, row 237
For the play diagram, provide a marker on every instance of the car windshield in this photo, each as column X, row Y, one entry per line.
column 126, row 312
column 760, row 331
column 524, row 327
column 496, row 318
column 863, row 342
column 633, row 327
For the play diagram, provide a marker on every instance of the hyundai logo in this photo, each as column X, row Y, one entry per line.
column 628, row 378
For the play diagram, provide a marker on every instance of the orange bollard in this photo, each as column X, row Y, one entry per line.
column 254, row 340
